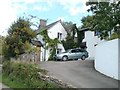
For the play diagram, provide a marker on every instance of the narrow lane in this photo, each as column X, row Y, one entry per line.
column 80, row 74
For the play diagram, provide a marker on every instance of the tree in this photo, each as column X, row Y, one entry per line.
column 106, row 17
column 69, row 43
column 80, row 36
column 87, row 21
column 72, row 41
column 68, row 27
column 19, row 34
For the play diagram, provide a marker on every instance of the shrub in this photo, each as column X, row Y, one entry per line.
column 27, row 73
column 115, row 35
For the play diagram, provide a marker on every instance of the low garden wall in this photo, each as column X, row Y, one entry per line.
column 107, row 58
column 29, row 57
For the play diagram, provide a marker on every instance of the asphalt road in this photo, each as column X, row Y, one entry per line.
column 79, row 74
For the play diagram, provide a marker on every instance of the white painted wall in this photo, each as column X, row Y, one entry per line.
column 91, row 41
column 107, row 59
column 40, row 38
column 60, row 46
column 47, row 54
column 42, row 54
column 57, row 28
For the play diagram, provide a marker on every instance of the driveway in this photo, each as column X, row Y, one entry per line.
column 79, row 74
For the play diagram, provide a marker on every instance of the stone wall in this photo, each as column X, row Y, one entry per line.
column 30, row 57
column 55, row 81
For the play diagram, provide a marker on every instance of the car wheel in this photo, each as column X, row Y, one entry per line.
column 83, row 57
column 64, row 58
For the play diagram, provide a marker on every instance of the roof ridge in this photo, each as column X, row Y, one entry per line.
column 54, row 22
column 49, row 25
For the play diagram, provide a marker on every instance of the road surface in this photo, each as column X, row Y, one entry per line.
column 79, row 74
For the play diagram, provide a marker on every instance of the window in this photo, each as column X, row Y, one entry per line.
column 59, row 36
column 78, row 50
column 73, row 51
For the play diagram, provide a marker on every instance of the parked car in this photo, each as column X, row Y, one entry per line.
column 72, row 54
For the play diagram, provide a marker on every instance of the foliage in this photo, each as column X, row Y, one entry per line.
column 1, row 43
column 51, row 43
column 87, row 21
column 105, row 18
column 0, row 77
column 29, row 48
column 19, row 35
column 115, row 35
column 26, row 73
column 71, row 41
column 13, row 83
column 52, row 53
column 80, row 37
column 68, row 27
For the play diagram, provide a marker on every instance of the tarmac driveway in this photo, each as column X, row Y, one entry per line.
column 79, row 74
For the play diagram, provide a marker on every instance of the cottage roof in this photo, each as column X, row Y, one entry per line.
column 48, row 26
column 52, row 24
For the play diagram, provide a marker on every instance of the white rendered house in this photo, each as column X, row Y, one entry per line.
column 55, row 30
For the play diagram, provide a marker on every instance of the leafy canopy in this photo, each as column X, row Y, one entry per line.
column 72, row 41
column 105, row 18
column 19, row 35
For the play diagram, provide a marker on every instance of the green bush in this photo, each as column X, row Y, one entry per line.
column 52, row 53
column 26, row 73
column 115, row 35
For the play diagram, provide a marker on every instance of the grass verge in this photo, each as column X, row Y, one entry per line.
column 13, row 83
column 23, row 75
column 0, row 77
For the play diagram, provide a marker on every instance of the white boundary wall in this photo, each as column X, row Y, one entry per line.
column 91, row 40
column 107, row 58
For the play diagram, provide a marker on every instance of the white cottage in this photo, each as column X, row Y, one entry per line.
column 55, row 30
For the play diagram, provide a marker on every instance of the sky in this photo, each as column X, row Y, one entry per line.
column 51, row 10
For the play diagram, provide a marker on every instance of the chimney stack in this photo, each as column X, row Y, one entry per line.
column 43, row 23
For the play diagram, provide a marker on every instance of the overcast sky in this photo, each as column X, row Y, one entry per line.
column 52, row 10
